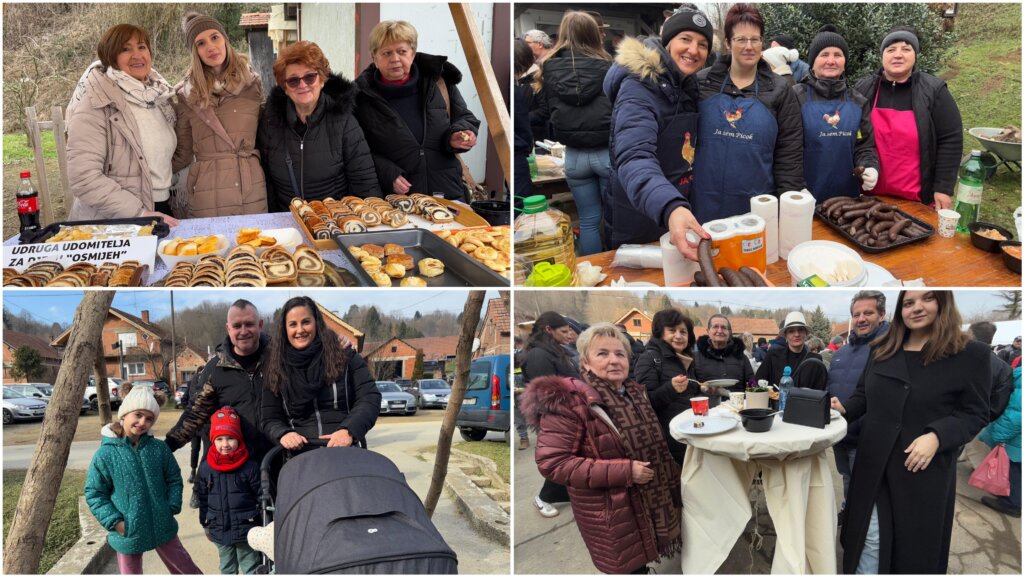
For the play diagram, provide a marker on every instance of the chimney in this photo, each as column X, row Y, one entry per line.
column 145, row 316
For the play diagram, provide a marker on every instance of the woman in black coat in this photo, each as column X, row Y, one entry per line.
column 923, row 395
column 413, row 115
column 314, row 388
column 665, row 368
column 720, row 355
column 545, row 356
column 310, row 144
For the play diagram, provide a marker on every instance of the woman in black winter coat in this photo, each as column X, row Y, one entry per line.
column 310, row 144
column 720, row 355
column 313, row 388
column 751, row 134
column 545, row 356
column 923, row 395
column 665, row 368
column 413, row 115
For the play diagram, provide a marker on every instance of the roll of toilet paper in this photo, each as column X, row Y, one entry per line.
column 767, row 207
column 678, row 270
column 796, row 214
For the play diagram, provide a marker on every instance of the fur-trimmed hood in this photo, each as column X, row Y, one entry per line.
column 430, row 67
column 555, row 395
column 734, row 349
column 645, row 60
column 338, row 96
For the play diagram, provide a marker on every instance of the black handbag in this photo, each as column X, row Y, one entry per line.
column 807, row 407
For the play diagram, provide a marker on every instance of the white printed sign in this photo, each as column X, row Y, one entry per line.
column 99, row 251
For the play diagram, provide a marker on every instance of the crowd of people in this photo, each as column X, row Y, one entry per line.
column 395, row 129
column 601, row 403
column 670, row 134
column 305, row 382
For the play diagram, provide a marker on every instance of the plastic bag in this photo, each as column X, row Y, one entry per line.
column 993, row 474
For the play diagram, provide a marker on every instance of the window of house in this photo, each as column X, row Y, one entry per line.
column 636, row 322
column 135, row 369
column 394, row 349
column 128, row 340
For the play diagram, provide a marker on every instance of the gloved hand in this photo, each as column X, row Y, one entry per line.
column 869, row 179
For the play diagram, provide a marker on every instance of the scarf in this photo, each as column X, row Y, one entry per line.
column 640, row 430
column 305, row 377
column 229, row 462
column 155, row 92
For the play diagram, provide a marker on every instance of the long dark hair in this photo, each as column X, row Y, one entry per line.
column 541, row 338
column 334, row 357
column 945, row 339
column 671, row 318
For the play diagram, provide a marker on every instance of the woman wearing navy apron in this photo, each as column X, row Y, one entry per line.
column 837, row 124
column 918, row 131
column 653, row 90
column 751, row 136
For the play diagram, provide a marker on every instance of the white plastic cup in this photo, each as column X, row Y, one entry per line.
column 737, row 399
column 947, row 222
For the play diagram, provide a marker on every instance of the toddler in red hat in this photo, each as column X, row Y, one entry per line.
column 228, row 488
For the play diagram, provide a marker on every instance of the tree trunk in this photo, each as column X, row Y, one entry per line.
column 463, row 356
column 24, row 544
column 102, row 386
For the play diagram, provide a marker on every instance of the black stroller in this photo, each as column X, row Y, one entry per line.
column 349, row 511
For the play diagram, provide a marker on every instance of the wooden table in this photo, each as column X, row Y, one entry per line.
column 940, row 262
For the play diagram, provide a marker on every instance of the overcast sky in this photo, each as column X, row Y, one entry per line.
column 59, row 306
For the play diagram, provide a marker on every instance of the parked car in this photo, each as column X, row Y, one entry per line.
column 113, row 385
column 32, row 390
column 155, row 385
column 433, row 393
column 394, row 400
column 487, row 402
column 179, row 396
column 18, row 407
column 406, row 385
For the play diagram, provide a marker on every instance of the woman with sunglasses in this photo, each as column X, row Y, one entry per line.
column 310, row 144
column 218, row 109
column 751, row 133
column 923, row 395
column 414, row 116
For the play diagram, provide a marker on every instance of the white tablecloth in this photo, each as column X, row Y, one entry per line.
column 797, row 481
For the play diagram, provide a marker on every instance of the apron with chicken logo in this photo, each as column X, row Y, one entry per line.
column 899, row 152
column 736, row 156
column 830, row 136
column 677, row 145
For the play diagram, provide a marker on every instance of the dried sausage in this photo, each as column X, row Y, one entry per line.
column 707, row 263
column 752, row 276
column 895, row 229
column 733, row 278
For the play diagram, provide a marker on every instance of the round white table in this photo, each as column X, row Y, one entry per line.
column 797, row 481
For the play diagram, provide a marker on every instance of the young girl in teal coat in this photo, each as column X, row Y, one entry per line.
column 134, row 488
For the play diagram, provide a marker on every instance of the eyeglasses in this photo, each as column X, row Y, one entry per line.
column 753, row 42
column 309, row 80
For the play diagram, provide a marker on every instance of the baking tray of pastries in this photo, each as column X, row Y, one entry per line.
column 400, row 257
column 244, row 266
column 96, row 229
column 79, row 275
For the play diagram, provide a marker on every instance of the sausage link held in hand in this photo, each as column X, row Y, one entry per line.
column 733, row 278
column 699, row 280
column 707, row 263
column 753, row 276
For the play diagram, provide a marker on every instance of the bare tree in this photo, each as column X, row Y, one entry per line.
column 24, row 545
column 1011, row 304
column 463, row 356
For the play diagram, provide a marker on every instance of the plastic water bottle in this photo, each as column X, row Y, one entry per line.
column 968, row 191
column 784, row 386
column 544, row 235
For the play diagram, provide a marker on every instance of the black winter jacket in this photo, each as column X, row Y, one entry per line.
column 430, row 166
column 569, row 93
column 772, row 368
column 542, row 361
column 777, row 96
column 939, row 129
column 655, row 369
column 352, row 402
column 727, row 363
column 224, row 382
column 229, row 502
column 845, row 371
column 330, row 159
column 864, row 153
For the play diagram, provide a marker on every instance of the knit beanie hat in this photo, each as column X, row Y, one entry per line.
column 686, row 20
column 226, row 422
column 901, row 36
column 139, row 398
column 193, row 24
column 827, row 36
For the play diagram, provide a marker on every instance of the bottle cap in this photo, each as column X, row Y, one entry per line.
column 975, row 153
column 786, row 371
column 547, row 275
column 26, row 174
column 534, row 204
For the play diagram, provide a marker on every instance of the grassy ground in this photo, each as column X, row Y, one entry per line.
column 64, row 529
column 497, row 451
column 985, row 79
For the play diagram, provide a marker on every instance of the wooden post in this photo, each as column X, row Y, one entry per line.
column 498, row 122
column 24, row 544
column 57, row 116
column 46, row 214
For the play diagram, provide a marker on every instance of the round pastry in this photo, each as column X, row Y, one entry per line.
column 439, row 214
column 374, row 250
column 394, row 270
column 469, row 247
column 357, row 253
column 431, row 267
column 396, row 219
column 443, row 233
column 370, row 217
column 413, row 281
column 402, row 259
column 485, row 253
column 297, row 203
column 380, row 278
column 369, row 260
column 351, row 224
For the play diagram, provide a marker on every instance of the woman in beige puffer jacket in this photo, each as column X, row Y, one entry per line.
column 218, row 111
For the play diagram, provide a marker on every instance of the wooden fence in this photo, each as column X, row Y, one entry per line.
column 35, row 134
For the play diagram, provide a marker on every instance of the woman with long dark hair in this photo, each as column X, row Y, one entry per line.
column 314, row 388
column 923, row 395
column 666, row 367
column 545, row 356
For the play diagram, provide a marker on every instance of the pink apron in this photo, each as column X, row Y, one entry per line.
column 899, row 151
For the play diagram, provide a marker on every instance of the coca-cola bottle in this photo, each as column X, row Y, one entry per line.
column 28, row 203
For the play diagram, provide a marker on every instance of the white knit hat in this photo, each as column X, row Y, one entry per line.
column 139, row 398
